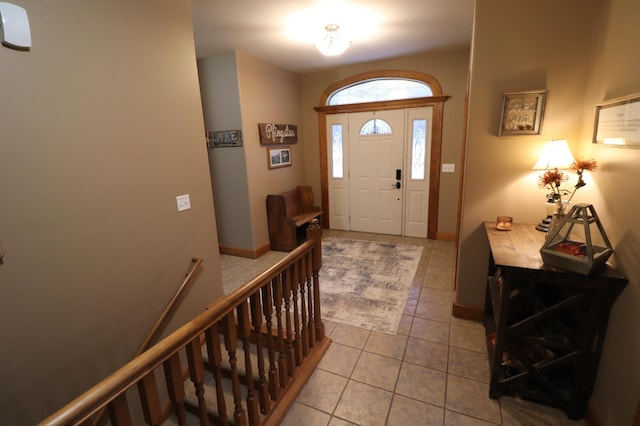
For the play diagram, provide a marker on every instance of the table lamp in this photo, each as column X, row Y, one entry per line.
column 555, row 155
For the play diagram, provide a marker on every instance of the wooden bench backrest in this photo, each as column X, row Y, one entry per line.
column 306, row 198
column 292, row 204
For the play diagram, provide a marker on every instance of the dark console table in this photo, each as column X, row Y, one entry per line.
column 545, row 326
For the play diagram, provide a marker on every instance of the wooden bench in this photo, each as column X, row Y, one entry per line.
column 288, row 215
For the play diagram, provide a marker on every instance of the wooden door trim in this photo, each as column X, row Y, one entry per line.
column 437, row 102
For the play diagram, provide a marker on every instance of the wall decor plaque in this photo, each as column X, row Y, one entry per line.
column 618, row 122
column 522, row 112
column 278, row 134
column 219, row 138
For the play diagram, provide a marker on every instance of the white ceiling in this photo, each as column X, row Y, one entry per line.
column 281, row 32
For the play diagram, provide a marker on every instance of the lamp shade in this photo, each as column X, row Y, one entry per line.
column 555, row 155
column 332, row 44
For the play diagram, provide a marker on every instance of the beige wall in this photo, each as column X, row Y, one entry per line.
column 508, row 56
column 449, row 68
column 101, row 129
column 613, row 74
column 268, row 94
column 587, row 53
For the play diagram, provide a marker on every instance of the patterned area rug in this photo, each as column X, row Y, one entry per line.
column 366, row 283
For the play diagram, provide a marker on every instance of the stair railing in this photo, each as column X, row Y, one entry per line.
column 196, row 262
column 247, row 356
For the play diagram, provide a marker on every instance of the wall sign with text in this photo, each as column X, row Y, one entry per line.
column 618, row 122
column 278, row 134
column 220, row 138
column 522, row 112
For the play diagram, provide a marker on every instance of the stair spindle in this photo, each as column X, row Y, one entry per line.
column 256, row 335
column 267, row 306
column 214, row 353
column 297, row 339
column 196, row 374
column 286, row 294
column 150, row 400
column 175, row 387
column 300, row 283
column 310, row 304
column 119, row 413
column 231, row 345
column 244, row 332
column 282, row 359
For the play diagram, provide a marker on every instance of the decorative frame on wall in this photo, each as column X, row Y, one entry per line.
column 617, row 122
column 522, row 112
column 220, row 138
column 277, row 134
column 278, row 157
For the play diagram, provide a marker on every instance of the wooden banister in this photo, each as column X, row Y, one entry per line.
column 246, row 317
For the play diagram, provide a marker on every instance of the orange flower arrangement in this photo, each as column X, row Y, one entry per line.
column 552, row 179
column 579, row 167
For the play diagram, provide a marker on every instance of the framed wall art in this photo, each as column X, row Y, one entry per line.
column 522, row 112
column 278, row 157
column 618, row 122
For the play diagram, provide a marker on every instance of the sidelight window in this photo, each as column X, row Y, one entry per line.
column 336, row 150
column 418, row 149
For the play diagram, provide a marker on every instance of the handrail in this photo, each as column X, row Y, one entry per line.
column 113, row 387
column 145, row 344
column 197, row 261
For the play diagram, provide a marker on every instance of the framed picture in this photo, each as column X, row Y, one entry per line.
column 522, row 112
column 618, row 122
column 278, row 157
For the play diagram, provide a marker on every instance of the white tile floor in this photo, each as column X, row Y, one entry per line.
column 433, row 372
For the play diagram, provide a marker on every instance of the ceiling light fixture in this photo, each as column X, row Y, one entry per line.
column 332, row 44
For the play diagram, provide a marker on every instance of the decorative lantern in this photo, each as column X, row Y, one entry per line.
column 579, row 244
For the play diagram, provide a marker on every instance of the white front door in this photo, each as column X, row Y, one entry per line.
column 370, row 154
column 375, row 164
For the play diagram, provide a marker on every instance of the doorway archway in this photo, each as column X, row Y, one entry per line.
column 436, row 102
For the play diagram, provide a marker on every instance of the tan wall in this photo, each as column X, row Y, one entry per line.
column 268, row 94
column 101, row 129
column 449, row 68
column 614, row 74
column 507, row 56
column 587, row 53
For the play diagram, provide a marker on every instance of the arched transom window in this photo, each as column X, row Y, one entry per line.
column 380, row 89
column 375, row 126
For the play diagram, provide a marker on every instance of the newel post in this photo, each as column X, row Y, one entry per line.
column 314, row 233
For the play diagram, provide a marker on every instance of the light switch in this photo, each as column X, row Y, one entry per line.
column 448, row 168
column 183, row 202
